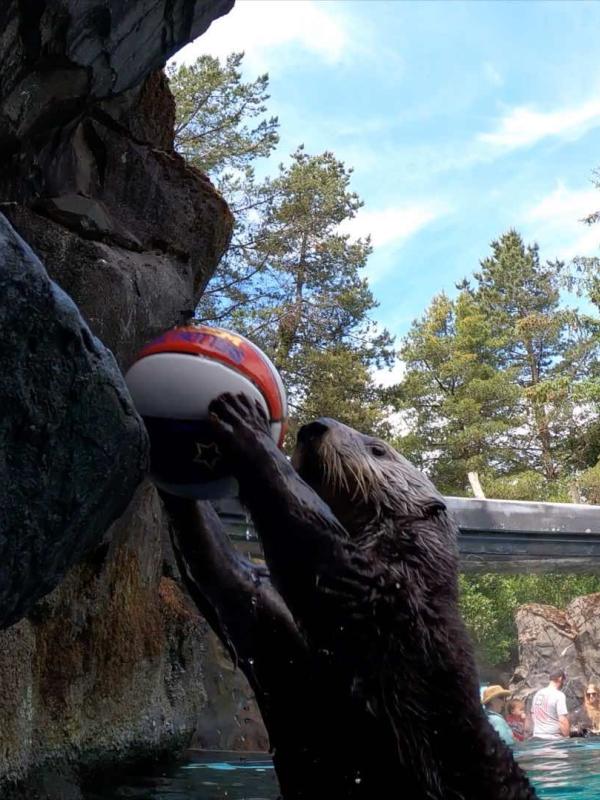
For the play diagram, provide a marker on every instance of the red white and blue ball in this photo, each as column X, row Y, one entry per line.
column 172, row 382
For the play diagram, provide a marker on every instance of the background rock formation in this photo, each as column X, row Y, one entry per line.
column 112, row 662
column 549, row 636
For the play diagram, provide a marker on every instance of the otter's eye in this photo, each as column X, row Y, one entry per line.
column 378, row 450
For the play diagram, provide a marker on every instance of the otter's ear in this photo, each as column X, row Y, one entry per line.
column 432, row 506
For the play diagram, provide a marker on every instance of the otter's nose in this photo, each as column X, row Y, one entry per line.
column 314, row 430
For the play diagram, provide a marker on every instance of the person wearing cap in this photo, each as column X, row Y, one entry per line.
column 549, row 709
column 494, row 699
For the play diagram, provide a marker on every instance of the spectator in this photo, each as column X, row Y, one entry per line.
column 494, row 699
column 549, row 709
column 587, row 718
column 516, row 719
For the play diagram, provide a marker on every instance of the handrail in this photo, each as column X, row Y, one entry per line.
column 494, row 535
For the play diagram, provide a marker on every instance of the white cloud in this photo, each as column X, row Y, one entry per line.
column 389, row 228
column 556, row 221
column 523, row 126
column 565, row 204
column 265, row 29
column 392, row 225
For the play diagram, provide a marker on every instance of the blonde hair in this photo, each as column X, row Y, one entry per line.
column 593, row 711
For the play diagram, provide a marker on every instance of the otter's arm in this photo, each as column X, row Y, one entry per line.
column 309, row 553
column 234, row 595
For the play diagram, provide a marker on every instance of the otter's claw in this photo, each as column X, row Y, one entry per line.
column 238, row 423
column 239, row 410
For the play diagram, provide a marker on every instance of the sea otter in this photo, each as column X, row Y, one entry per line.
column 354, row 645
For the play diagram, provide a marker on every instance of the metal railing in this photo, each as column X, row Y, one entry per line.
column 494, row 535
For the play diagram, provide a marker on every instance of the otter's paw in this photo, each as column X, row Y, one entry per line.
column 238, row 421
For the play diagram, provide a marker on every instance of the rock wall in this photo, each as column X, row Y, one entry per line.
column 112, row 663
column 72, row 448
column 550, row 637
column 109, row 665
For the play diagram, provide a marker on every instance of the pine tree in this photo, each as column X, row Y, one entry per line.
column 583, row 278
column 290, row 281
column 215, row 115
column 522, row 298
column 460, row 404
column 496, row 379
column 307, row 304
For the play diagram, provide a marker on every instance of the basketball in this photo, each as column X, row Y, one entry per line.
column 172, row 382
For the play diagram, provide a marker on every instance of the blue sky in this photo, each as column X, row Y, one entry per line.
column 460, row 120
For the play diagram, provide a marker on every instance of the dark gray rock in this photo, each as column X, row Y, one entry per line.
column 95, row 178
column 111, row 664
column 72, row 448
column 139, row 231
column 57, row 54
column 120, row 221
column 127, row 297
column 147, row 112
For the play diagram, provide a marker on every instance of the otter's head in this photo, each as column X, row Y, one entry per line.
column 365, row 482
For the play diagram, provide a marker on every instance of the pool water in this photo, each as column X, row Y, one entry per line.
column 201, row 777
column 559, row 770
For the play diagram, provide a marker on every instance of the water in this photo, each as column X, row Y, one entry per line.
column 202, row 777
column 563, row 770
column 559, row 770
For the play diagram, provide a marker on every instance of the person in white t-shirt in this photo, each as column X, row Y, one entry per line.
column 549, row 709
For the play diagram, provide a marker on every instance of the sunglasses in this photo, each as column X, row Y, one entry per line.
column 592, row 694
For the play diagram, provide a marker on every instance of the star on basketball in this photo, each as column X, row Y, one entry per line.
column 208, row 455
